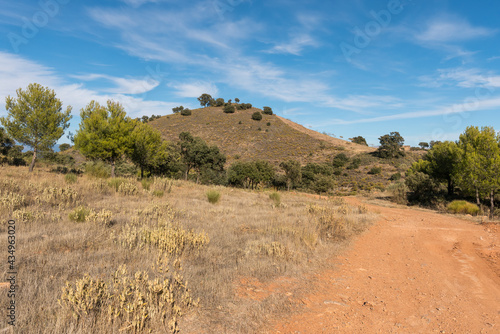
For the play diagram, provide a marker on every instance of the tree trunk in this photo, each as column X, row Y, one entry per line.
column 186, row 174
column 478, row 202
column 142, row 172
column 492, row 204
column 288, row 183
column 113, row 168
column 450, row 187
column 32, row 165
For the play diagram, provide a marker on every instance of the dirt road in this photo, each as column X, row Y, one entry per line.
column 412, row 272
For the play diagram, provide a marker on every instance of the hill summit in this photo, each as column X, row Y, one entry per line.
column 273, row 138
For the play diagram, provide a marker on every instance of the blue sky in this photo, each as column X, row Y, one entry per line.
column 427, row 69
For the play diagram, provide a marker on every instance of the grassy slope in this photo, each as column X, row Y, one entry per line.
column 280, row 141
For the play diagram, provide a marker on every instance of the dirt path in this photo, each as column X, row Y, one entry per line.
column 412, row 272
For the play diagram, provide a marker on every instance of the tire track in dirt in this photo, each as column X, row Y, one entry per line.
column 414, row 271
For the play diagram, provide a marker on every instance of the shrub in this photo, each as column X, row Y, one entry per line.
column 257, row 116
column 268, row 124
column 322, row 184
column 64, row 147
column 463, row 207
column 229, row 109
column 79, row 214
column 375, row 170
column 71, row 178
column 128, row 188
column 340, row 160
column 355, row 163
column 115, row 183
column 398, row 192
column 98, row 169
column 146, row 183
column 267, row 111
column 186, row 112
column 219, row 102
column 213, row 196
column 395, row 177
column 276, row 198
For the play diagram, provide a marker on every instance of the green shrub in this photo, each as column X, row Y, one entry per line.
column 276, row 198
column 340, row 160
column 213, row 196
column 229, row 109
column 268, row 124
column 186, row 112
column 98, row 169
column 146, row 183
column 268, row 111
column 375, row 170
column 463, row 207
column 79, row 214
column 257, row 116
column 395, row 177
column 71, row 178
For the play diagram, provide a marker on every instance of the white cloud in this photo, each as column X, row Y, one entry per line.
column 22, row 72
column 296, row 45
column 195, row 89
column 122, row 85
column 472, row 105
column 461, row 77
column 452, row 29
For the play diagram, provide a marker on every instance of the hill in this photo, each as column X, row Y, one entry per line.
column 273, row 138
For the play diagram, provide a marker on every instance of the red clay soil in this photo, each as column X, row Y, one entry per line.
column 413, row 272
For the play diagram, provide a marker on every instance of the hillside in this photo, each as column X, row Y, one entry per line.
column 240, row 137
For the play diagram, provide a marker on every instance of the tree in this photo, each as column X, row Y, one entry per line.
column 178, row 109
column 257, row 116
column 267, row 111
column 35, row 118
column 219, row 102
column 250, row 174
column 64, row 147
column 340, row 160
column 6, row 143
column 206, row 100
column 237, row 100
column 359, row 140
column 390, row 145
column 480, row 162
column 423, row 145
column 443, row 162
column 197, row 155
column 229, row 109
column 104, row 132
column 293, row 173
column 146, row 143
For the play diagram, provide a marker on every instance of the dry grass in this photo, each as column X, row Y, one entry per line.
column 121, row 223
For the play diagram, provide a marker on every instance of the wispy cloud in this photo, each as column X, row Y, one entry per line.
column 295, row 46
column 462, row 77
column 122, row 85
column 452, row 29
column 195, row 89
column 473, row 106
column 24, row 71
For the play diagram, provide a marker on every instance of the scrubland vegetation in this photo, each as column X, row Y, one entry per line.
column 105, row 255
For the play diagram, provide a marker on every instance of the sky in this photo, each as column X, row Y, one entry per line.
column 427, row 69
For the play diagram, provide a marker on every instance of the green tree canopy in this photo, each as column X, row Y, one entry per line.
column 206, row 100
column 391, row 145
column 146, row 147
column 293, row 173
column 249, row 174
column 229, row 109
column 197, row 155
column 104, row 132
column 480, row 162
column 443, row 160
column 178, row 109
column 359, row 140
column 267, row 111
column 423, row 145
column 257, row 116
column 219, row 102
column 35, row 118
column 6, row 143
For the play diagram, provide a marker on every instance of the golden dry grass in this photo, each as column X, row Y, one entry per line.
column 246, row 235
